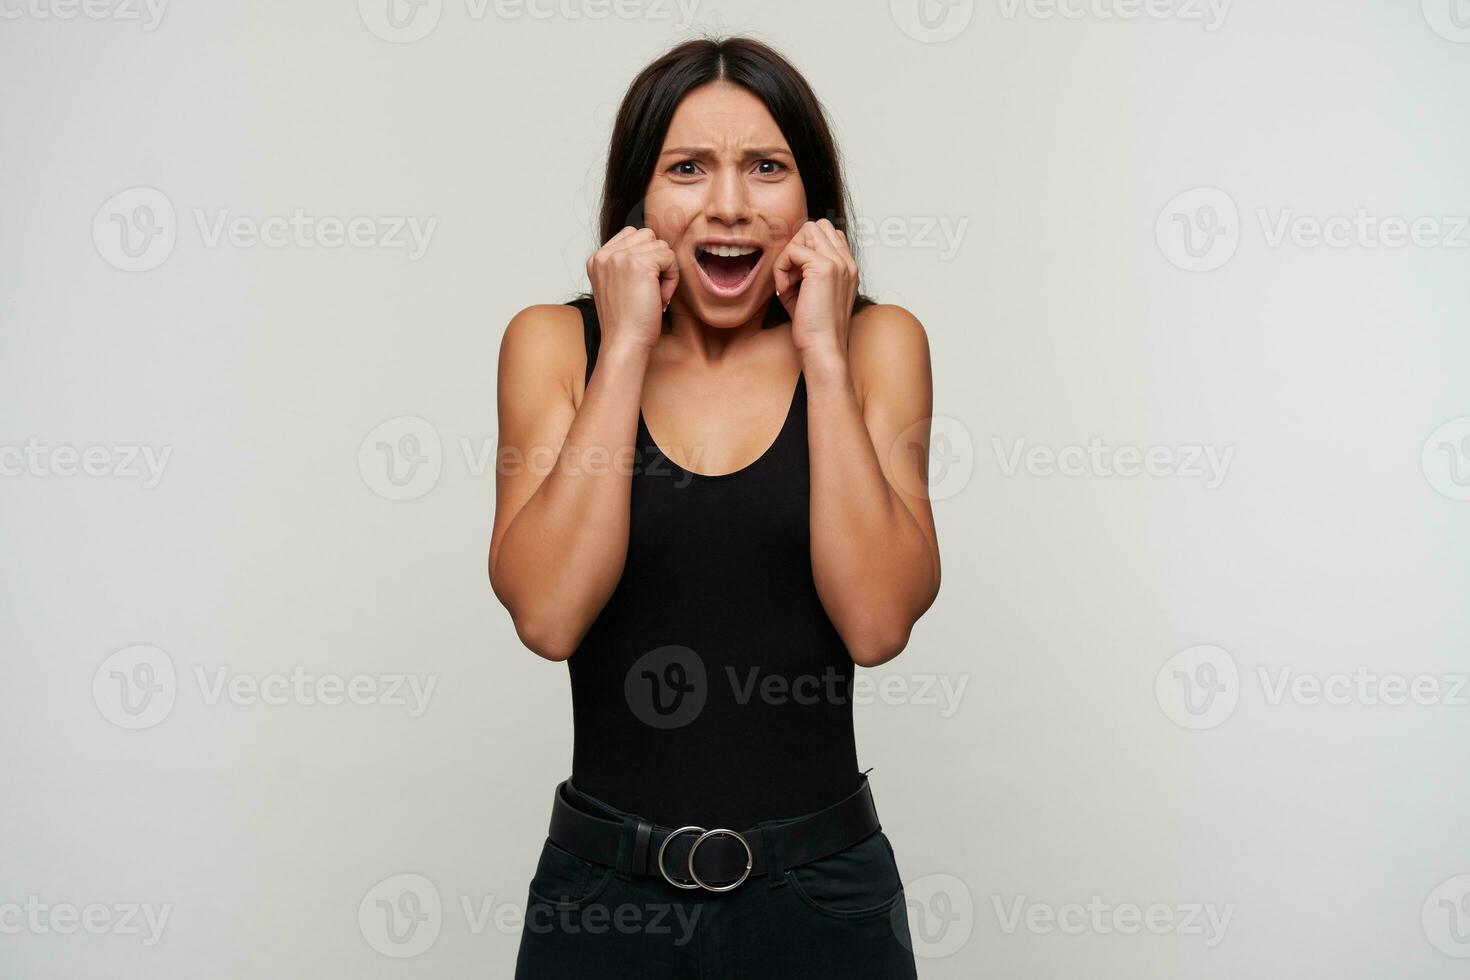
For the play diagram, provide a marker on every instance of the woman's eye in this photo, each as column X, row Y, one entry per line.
column 692, row 171
column 775, row 165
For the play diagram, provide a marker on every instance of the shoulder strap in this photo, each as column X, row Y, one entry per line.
column 591, row 334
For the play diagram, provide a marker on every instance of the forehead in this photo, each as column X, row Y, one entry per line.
column 723, row 115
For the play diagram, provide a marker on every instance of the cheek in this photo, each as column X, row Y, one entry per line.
column 668, row 211
column 784, row 211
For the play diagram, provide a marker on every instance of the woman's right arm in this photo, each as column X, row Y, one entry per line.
column 563, row 473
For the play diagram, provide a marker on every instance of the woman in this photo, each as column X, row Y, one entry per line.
column 711, row 503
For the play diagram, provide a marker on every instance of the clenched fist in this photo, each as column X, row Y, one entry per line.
column 633, row 277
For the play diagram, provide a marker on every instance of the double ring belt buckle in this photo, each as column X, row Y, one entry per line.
column 704, row 835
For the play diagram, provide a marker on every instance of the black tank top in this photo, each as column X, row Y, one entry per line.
column 713, row 689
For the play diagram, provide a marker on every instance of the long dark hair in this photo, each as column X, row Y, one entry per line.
column 648, row 107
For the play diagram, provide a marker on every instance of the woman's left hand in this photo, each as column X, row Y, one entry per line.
column 817, row 280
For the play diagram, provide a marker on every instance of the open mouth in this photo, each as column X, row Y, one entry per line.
column 727, row 269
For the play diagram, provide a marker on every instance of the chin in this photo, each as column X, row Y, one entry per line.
column 728, row 315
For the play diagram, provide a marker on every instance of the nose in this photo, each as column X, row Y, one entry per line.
column 728, row 199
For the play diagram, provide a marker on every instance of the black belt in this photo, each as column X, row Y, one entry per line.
column 726, row 858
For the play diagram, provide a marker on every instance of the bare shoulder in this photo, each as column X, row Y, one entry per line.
column 543, row 342
column 888, row 352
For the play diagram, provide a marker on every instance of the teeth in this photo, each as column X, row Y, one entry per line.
column 728, row 251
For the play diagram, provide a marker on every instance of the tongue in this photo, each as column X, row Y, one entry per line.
column 727, row 272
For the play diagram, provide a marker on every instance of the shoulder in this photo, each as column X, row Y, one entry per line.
column 888, row 351
column 541, row 341
column 544, row 324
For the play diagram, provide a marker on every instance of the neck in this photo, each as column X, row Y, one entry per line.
column 690, row 333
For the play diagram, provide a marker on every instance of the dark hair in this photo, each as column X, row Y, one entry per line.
column 648, row 107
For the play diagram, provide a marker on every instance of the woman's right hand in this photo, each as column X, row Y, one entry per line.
column 633, row 277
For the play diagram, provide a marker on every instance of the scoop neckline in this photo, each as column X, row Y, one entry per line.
column 780, row 434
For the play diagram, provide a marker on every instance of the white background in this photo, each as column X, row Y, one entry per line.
column 1054, row 140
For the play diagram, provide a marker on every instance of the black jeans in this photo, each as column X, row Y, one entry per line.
column 842, row 916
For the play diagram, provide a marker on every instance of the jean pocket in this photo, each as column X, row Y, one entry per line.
column 564, row 880
column 862, row 880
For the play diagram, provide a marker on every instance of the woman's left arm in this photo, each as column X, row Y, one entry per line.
column 875, row 552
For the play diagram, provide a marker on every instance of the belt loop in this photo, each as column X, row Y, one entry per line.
column 775, row 871
column 625, row 850
column 642, row 839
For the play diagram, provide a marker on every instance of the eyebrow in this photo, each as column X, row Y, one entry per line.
column 706, row 151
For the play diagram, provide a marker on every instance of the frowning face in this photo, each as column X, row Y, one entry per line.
column 726, row 196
